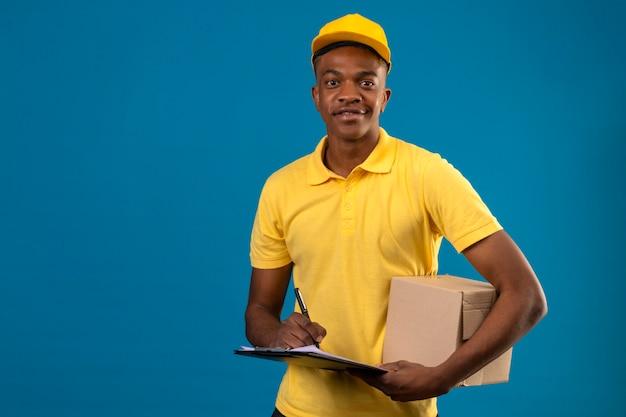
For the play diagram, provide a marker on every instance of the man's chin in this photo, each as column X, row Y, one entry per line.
column 353, row 132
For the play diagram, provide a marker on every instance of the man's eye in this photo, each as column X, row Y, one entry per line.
column 331, row 83
column 368, row 83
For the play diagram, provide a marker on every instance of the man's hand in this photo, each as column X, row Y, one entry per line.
column 297, row 330
column 406, row 381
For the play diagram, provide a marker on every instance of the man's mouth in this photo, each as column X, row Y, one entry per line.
column 351, row 112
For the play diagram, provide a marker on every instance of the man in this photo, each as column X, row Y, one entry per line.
column 364, row 207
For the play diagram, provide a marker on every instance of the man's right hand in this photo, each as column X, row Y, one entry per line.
column 297, row 330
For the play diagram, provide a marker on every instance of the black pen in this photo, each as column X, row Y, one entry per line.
column 305, row 311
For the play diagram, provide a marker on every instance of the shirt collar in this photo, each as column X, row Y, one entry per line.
column 379, row 161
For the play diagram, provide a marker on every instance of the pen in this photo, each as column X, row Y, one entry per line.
column 305, row 311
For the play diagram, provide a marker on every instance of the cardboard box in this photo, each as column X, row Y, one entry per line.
column 429, row 317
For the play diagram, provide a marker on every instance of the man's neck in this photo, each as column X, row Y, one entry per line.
column 342, row 156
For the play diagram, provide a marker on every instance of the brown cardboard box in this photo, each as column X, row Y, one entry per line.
column 430, row 317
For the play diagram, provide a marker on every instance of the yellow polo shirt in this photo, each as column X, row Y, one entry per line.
column 347, row 237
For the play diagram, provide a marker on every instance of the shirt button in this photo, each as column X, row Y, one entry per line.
column 348, row 206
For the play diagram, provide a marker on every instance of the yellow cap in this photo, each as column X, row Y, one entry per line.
column 355, row 28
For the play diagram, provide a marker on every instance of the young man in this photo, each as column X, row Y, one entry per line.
column 364, row 207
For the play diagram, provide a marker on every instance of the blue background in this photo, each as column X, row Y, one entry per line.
column 135, row 137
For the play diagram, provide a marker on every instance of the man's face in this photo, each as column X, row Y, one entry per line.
column 350, row 92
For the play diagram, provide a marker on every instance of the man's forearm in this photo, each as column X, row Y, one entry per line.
column 511, row 317
column 261, row 326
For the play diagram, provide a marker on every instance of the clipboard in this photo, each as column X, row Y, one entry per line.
column 310, row 356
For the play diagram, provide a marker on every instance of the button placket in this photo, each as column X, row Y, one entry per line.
column 348, row 205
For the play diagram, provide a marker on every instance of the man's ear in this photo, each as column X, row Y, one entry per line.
column 386, row 97
column 316, row 97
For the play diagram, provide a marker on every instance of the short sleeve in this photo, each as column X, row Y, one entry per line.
column 455, row 208
column 268, row 249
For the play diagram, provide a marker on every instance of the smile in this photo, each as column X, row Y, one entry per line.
column 348, row 112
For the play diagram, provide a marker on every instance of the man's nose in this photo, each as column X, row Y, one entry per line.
column 349, row 93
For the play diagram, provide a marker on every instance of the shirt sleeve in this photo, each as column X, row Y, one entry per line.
column 456, row 210
column 268, row 249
